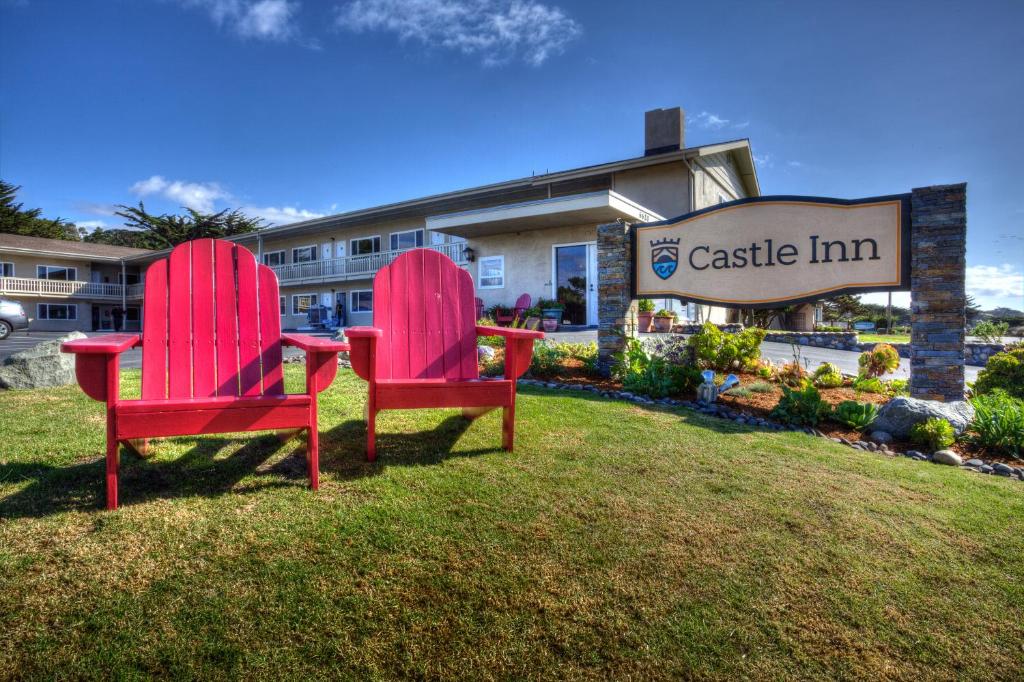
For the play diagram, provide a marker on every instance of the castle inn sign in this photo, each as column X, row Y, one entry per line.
column 776, row 250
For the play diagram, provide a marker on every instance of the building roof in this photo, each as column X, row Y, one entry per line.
column 441, row 203
column 17, row 243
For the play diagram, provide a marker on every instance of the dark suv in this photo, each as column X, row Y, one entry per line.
column 12, row 317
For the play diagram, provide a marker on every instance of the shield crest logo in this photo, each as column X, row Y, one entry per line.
column 664, row 257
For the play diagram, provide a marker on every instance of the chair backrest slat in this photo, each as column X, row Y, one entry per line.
column 425, row 305
column 211, row 324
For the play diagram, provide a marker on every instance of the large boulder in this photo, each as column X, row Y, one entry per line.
column 42, row 366
column 899, row 415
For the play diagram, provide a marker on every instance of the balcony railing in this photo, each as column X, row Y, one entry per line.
column 354, row 267
column 58, row 288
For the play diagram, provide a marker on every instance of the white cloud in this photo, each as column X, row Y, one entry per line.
column 764, row 161
column 282, row 215
column 794, row 164
column 711, row 121
column 196, row 195
column 996, row 282
column 261, row 19
column 498, row 31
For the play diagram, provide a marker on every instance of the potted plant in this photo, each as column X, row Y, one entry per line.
column 645, row 314
column 533, row 316
column 663, row 321
column 551, row 313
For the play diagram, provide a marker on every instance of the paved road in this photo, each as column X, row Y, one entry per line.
column 847, row 360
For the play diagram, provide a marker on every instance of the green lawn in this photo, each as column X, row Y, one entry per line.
column 883, row 338
column 617, row 542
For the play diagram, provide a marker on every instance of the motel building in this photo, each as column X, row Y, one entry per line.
column 535, row 235
column 71, row 286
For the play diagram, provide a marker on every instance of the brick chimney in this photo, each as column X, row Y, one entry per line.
column 663, row 131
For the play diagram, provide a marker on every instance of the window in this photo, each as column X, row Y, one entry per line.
column 273, row 258
column 131, row 314
column 409, row 239
column 301, row 303
column 6, row 269
column 362, row 301
column 492, row 272
column 304, row 254
column 284, row 306
column 132, row 277
column 364, row 246
column 56, row 272
column 436, row 238
column 57, row 311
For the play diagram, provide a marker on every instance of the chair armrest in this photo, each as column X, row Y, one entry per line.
column 364, row 350
column 314, row 344
column 108, row 344
column 509, row 332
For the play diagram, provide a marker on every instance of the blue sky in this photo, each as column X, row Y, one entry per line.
column 295, row 108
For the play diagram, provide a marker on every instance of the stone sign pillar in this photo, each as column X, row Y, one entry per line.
column 938, row 300
column 616, row 309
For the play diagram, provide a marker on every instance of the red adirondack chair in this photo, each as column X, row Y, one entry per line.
column 211, row 357
column 518, row 311
column 421, row 350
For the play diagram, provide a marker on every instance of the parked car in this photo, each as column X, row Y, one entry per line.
column 12, row 317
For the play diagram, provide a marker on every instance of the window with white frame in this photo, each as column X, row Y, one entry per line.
column 362, row 301
column 304, row 254
column 408, row 239
column 273, row 258
column 57, row 311
column 301, row 303
column 56, row 272
column 364, row 246
column 492, row 272
column 436, row 238
column 6, row 269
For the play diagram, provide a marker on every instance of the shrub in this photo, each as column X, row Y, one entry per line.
column 740, row 391
column 828, row 376
column 550, row 359
column 761, row 387
column 854, row 414
column 880, row 360
column 869, row 385
column 999, row 423
column 492, row 341
column 1004, row 371
column 645, row 305
column 895, row 387
column 936, row 433
column 665, row 313
column 792, row 374
column 827, row 328
column 714, row 349
column 650, row 375
column 990, row 332
column 802, row 407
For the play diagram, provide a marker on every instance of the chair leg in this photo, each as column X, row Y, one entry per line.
column 508, row 426
column 313, row 457
column 371, row 435
column 113, row 460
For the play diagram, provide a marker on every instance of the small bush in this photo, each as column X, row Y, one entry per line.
column 936, row 433
column 802, row 407
column 990, row 332
column 551, row 359
column 869, row 385
column 1003, row 371
column 645, row 305
column 895, row 387
column 854, row 414
column 650, row 375
column 828, row 376
column 761, row 387
column 999, row 423
column 492, row 341
column 714, row 349
column 740, row 391
column 880, row 360
column 827, row 328
column 792, row 374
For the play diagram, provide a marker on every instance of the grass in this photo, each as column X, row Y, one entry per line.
column 883, row 338
column 617, row 542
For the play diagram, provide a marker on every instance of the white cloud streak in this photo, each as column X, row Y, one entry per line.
column 496, row 31
column 1004, row 282
column 200, row 196
column 280, row 215
column 258, row 19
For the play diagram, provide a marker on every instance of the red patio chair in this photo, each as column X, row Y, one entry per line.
column 211, row 357
column 518, row 311
column 421, row 351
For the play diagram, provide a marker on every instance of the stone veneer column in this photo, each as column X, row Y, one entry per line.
column 616, row 309
column 938, row 246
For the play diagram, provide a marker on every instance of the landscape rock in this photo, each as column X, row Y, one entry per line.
column 900, row 414
column 947, row 457
column 42, row 366
column 974, row 463
column 880, row 437
column 1001, row 469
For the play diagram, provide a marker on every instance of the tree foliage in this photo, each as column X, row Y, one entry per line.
column 15, row 219
column 168, row 230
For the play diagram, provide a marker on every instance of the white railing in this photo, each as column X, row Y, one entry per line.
column 355, row 267
column 64, row 288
